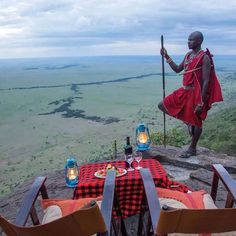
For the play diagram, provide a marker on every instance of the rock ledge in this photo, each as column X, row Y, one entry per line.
column 198, row 167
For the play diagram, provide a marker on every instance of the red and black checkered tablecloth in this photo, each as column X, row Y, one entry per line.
column 129, row 187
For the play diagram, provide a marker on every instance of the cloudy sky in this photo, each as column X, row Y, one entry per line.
column 39, row 28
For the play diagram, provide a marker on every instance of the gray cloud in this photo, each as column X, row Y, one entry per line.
column 80, row 24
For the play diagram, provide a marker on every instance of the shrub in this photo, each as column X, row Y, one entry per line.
column 174, row 137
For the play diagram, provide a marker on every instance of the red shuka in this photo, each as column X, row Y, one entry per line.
column 182, row 102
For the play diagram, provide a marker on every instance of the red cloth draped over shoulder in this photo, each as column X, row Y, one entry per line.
column 214, row 93
column 182, row 102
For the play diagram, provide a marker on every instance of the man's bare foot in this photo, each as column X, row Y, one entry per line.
column 188, row 153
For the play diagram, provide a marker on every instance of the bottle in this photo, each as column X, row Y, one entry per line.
column 128, row 150
column 128, row 147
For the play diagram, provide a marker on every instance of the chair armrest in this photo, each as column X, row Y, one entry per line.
column 221, row 173
column 151, row 196
column 108, row 198
column 27, row 206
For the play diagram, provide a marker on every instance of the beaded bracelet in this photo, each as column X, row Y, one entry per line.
column 169, row 60
column 201, row 105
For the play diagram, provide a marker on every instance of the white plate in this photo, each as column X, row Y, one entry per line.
column 99, row 174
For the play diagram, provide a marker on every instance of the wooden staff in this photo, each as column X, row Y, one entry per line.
column 164, row 86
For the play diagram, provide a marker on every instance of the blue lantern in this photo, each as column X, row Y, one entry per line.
column 143, row 139
column 71, row 172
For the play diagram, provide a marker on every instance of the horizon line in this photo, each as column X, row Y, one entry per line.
column 115, row 55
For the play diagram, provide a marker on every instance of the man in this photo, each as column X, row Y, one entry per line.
column 201, row 88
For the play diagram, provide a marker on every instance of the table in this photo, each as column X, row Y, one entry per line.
column 128, row 188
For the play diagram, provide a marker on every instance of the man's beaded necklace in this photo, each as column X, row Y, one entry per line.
column 189, row 59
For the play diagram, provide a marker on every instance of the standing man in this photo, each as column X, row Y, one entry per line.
column 200, row 90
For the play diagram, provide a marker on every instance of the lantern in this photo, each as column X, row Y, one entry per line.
column 143, row 140
column 71, row 172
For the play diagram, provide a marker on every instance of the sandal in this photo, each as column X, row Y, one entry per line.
column 188, row 154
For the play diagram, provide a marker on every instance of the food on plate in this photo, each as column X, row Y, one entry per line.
column 111, row 167
column 102, row 173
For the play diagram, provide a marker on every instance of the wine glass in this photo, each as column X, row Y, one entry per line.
column 138, row 157
column 129, row 158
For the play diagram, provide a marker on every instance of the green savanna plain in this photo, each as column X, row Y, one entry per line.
column 54, row 108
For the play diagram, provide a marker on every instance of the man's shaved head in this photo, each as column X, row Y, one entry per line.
column 195, row 40
column 197, row 34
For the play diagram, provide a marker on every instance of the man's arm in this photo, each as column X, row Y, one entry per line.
column 174, row 67
column 206, row 69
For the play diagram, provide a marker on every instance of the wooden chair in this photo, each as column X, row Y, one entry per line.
column 86, row 221
column 168, row 220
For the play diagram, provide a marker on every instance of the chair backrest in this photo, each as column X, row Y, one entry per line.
column 84, row 222
column 169, row 220
column 196, row 221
